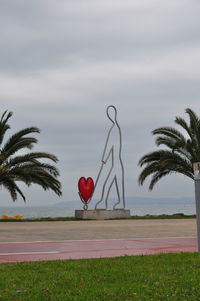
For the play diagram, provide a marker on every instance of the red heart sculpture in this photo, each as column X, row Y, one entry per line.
column 86, row 188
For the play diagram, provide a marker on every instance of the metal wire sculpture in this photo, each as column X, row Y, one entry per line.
column 113, row 148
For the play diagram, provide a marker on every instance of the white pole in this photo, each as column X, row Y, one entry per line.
column 196, row 168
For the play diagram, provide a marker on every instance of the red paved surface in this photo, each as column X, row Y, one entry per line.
column 77, row 249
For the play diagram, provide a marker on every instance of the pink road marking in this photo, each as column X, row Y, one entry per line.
column 79, row 249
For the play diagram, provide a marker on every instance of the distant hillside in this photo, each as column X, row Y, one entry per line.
column 133, row 200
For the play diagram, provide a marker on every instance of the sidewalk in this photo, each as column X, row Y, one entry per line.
column 33, row 241
column 89, row 230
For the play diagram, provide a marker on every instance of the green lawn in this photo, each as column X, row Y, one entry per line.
column 154, row 277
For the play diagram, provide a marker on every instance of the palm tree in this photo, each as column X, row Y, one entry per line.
column 181, row 151
column 26, row 168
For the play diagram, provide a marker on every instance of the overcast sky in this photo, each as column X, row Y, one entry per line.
column 63, row 62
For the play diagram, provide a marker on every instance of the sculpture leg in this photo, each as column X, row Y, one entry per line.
column 109, row 185
column 120, row 191
column 104, row 188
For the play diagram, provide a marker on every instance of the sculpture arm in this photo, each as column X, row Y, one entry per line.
column 107, row 149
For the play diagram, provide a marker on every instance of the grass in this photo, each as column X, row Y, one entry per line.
column 72, row 218
column 161, row 277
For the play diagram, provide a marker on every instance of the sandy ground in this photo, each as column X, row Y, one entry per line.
column 106, row 229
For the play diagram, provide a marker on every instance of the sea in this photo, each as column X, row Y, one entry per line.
column 140, row 208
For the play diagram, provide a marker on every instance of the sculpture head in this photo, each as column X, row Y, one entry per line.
column 112, row 113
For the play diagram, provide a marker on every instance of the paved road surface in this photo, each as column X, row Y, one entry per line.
column 32, row 241
column 108, row 229
column 79, row 249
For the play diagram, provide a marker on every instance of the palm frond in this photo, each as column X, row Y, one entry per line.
column 169, row 132
column 150, row 169
column 194, row 127
column 27, row 168
column 173, row 144
column 12, row 188
column 3, row 125
column 18, row 141
column 156, row 177
column 31, row 157
column 42, row 174
column 181, row 122
column 153, row 156
column 180, row 154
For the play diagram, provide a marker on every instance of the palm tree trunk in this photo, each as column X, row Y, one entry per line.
column 197, row 197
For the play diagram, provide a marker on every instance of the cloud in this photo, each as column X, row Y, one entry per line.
column 45, row 34
column 62, row 63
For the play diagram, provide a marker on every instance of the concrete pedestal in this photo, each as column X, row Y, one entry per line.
column 102, row 214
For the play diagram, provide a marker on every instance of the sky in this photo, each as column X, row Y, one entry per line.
column 63, row 62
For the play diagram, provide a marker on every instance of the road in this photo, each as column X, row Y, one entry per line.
column 33, row 241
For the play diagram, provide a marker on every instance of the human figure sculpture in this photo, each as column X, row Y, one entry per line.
column 112, row 151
